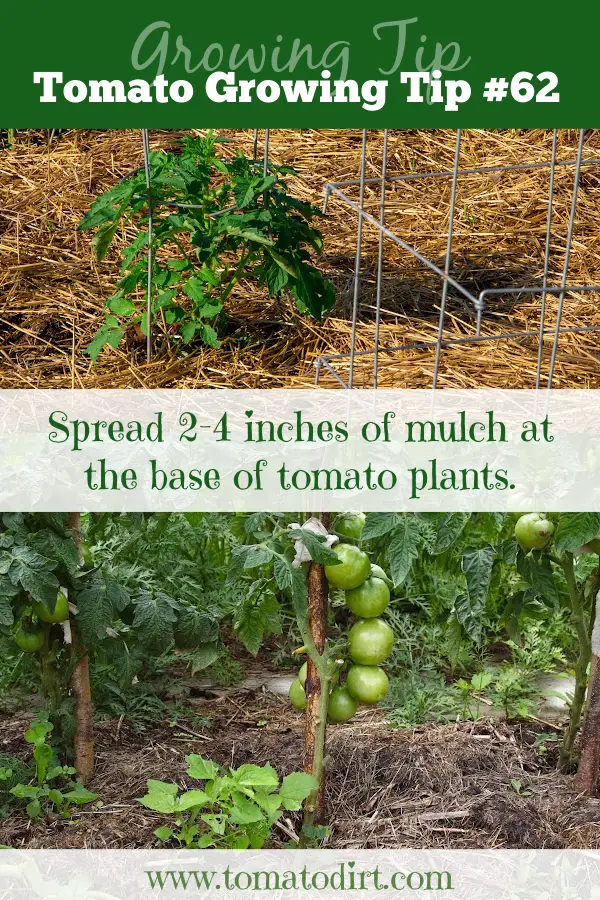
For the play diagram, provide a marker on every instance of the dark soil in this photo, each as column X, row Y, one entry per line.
column 469, row 785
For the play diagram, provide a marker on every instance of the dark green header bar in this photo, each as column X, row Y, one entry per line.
column 299, row 64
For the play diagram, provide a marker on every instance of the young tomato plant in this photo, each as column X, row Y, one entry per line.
column 216, row 221
column 234, row 809
column 54, row 788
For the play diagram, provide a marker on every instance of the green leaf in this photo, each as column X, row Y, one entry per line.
column 163, row 833
column 191, row 799
column 257, row 556
column 282, row 570
column 196, row 626
column 121, row 306
column 111, row 334
column 153, row 620
column 33, row 809
column 216, row 823
column 295, row 788
column 103, row 208
column 284, row 262
column 537, row 572
column 576, row 529
column 300, row 596
column 194, row 288
column 449, row 530
column 209, row 336
column 477, row 567
column 97, row 603
column 245, row 812
column 200, row 768
column 249, row 234
column 80, row 795
column 377, row 524
column 251, row 775
column 6, row 613
column 315, row 544
column 204, row 656
column 103, row 239
column 403, row 547
column 161, row 796
column 257, row 615
column 468, row 616
column 36, row 733
column 34, row 573
column 63, row 549
column 188, row 331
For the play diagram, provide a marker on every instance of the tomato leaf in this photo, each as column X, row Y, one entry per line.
column 377, row 524
column 403, row 547
column 576, row 529
column 295, row 788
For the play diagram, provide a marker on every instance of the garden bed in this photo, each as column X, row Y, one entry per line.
column 469, row 785
column 52, row 292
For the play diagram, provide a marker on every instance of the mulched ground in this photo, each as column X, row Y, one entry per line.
column 444, row 786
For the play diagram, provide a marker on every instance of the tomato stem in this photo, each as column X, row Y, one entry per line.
column 585, row 653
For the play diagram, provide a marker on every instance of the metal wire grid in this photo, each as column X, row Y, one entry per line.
column 327, row 361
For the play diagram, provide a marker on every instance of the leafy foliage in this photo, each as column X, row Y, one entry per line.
column 235, row 222
column 234, row 808
column 54, row 788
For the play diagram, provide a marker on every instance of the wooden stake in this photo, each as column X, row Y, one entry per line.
column 589, row 758
column 590, row 735
column 316, row 706
column 83, row 740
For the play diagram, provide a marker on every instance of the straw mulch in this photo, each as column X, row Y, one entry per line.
column 438, row 786
column 52, row 292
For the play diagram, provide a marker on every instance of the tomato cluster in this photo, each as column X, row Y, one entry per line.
column 29, row 637
column 370, row 639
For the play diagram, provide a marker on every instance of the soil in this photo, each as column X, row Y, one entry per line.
column 463, row 786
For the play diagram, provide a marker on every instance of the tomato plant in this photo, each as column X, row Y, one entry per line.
column 231, row 809
column 319, row 561
column 235, row 222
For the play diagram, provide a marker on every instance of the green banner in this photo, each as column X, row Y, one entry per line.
column 317, row 64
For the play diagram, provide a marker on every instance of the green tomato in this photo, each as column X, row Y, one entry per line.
column 302, row 674
column 367, row 684
column 297, row 695
column 86, row 555
column 350, row 525
column 342, row 705
column 533, row 531
column 29, row 641
column 60, row 614
column 369, row 599
column 370, row 641
column 353, row 569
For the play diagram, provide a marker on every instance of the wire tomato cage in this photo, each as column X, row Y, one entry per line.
column 478, row 301
column 342, row 365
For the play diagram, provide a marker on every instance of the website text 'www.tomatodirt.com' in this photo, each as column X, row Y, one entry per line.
column 346, row 877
